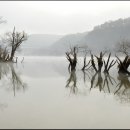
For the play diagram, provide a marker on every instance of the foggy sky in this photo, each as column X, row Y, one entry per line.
column 60, row 17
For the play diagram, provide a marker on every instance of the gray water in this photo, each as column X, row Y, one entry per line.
column 37, row 94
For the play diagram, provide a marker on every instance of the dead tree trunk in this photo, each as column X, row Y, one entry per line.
column 72, row 60
column 100, row 61
column 85, row 65
column 107, row 65
column 93, row 63
column 14, row 39
column 123, row 66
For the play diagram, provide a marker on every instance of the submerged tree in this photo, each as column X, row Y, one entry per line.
column 107, row 66
column 72, row 58
column 99, row 62
column 85, row 65
column 123, row 65
column 93, row 63
column 124, row 47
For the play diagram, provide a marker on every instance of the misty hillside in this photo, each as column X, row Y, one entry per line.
column 104, row 36
column 66, row 42
column 108, row 34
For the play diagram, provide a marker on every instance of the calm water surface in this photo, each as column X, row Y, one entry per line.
column 41, row 93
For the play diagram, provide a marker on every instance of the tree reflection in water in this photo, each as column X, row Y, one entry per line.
column 123, row 88
column 71, row 82
column 105, row 83
column 118, row 86
column 9, row 78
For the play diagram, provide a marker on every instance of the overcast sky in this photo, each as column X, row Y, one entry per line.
column 60, row 17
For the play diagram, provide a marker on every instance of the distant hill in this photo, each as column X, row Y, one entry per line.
column 104, row 36
column 108, row 34
column 66, row 42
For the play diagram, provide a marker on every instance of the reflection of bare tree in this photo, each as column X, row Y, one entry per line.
column 108, row 80
column 4, row 70
column 99, row 82
column 9, row 80
column 86, row 73
column 123, row 82
column 108, row 84
column 71, row 82
column 14, row 81
column 102, row 83
column 123, row 91
column 119, row 86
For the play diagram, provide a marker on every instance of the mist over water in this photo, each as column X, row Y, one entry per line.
column 41, row 93
column 46, row 80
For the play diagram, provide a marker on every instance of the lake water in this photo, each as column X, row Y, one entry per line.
column 37, row 94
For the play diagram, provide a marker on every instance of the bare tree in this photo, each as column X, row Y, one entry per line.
column 107, row 65
column 123, row 65
column 99, row 62
column 85, row 65
column 14, row 39
column 93, row 63
column 72, row 58
column 123, row 46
